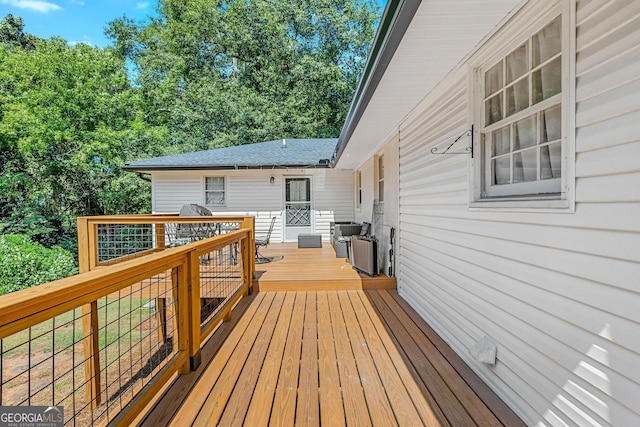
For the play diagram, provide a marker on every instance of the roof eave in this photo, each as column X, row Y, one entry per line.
column 129, row 168
column 394, row 23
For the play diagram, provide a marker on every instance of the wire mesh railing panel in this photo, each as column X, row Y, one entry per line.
column 46, row 364
column 177, row 234
column 137, row 337
column 123, row 240
column 221, row 277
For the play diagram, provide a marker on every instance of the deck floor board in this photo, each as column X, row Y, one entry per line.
column 330, row 358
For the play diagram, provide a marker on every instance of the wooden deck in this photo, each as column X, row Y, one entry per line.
column 329, row 358
column 312, row 269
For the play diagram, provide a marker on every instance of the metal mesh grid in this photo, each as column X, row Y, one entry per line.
column 45, row 364
column 221, row 277
column 119, row 240
column 124, row 241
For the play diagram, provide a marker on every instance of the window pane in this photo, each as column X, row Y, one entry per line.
column 547, row 42
column 215, row 198
column 501, row 141
column 518, row 96
column 525, row 166
column 501, row 170
column 493, row 79
column 214, row 183
column 493, row 109
column 547, row 81
column 517, row 63
column 550, row 161
column 524, row 133
column 551, row 123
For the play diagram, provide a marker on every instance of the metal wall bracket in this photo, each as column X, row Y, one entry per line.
column 467, row 150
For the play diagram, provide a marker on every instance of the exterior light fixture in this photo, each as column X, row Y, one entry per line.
column 272, row 180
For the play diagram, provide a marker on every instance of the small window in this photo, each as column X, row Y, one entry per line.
column 521, row 133
column 214, row 191
column 381, row 178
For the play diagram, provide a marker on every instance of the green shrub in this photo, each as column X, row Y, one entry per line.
column 24, row 263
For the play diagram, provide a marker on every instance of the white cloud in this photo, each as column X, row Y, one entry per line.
column 142, row 5
column 33, row 5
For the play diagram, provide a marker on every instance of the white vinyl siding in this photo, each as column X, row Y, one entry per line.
column 250, row 192
column 170, row 191
column 556, row 292
column 332, row 199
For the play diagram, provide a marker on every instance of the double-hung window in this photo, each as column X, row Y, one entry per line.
column 214, row 191
column 521, row 128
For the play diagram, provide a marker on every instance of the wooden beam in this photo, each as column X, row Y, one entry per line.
column 161, row 315
column 194, row 310
column 91, row 353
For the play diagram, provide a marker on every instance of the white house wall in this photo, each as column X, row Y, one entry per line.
column 365, row 213
column 558, row 293
column 250, row 192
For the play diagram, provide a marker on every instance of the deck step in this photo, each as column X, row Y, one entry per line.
column 312, row 269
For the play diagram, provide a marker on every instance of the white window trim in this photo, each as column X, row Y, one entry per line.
column 380, row 178
column 204, row 190
column 508, row 38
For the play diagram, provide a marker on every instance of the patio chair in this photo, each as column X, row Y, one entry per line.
column 264, row 241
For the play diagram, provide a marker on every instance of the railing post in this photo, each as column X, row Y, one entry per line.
column 247, row 259
column 180, row 282
column 250, row 223
column 91, row 353
column 86, row 246
column 160, row 236
column 161, row 316
column 194, row 309
column 83, row 244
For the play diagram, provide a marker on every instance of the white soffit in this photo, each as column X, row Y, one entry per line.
column 441, row 34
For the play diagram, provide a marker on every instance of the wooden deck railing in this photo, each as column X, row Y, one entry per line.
column 111, row 338
column 104, row 240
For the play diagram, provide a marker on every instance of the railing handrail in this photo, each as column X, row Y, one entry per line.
column 159, row 219
column 28, row 307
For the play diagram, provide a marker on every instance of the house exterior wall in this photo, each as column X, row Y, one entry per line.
column 249, row 192
column 364, row 213
column 557, row 291
column 386, row 212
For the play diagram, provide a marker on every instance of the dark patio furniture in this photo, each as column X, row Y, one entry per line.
column 264, row 241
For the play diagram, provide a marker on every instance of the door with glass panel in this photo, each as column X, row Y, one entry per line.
column 297, row 207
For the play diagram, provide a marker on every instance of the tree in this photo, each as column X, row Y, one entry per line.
column 69, row 119
column 12, row 33
column 234, row 72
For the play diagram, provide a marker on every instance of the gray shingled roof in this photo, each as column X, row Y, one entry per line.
column 294, row 152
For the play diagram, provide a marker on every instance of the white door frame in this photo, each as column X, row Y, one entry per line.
column 291, row 232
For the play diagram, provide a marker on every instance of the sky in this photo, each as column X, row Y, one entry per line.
column 74, row 20
column 77, row 20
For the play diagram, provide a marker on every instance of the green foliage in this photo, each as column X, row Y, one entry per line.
column 69, row 120
column 236, row 72
column 24, row 264
column 12, row 33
